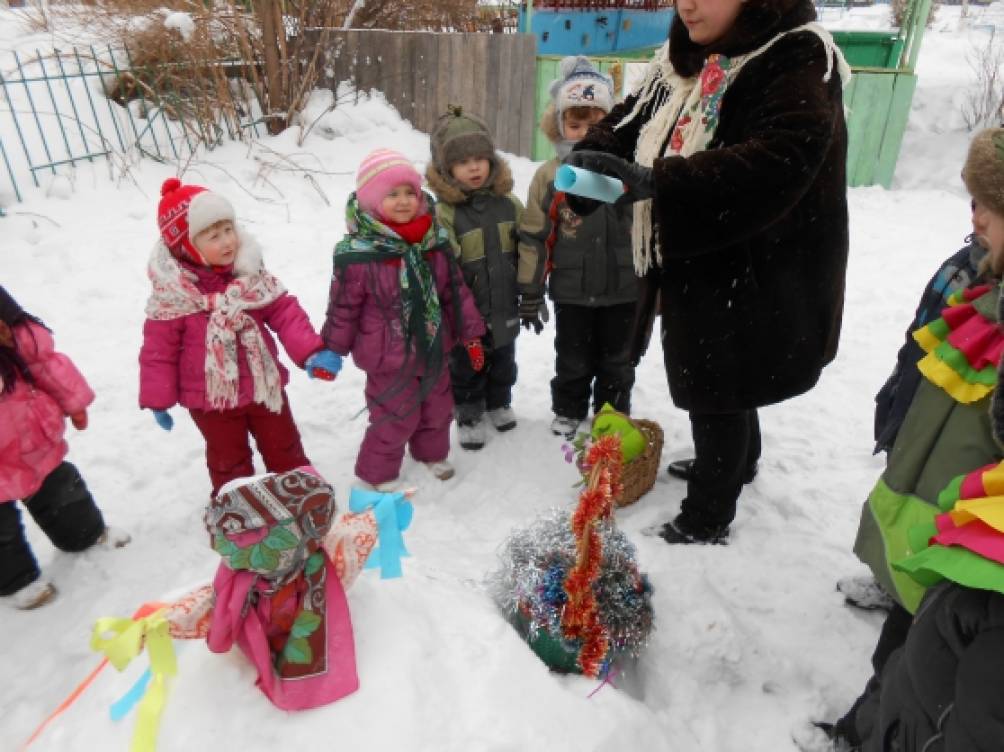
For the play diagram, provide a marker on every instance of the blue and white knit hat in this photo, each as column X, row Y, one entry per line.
column 580, row 84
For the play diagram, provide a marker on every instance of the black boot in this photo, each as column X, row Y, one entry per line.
column 65, row 510
column 676, row 531
column 684, row 470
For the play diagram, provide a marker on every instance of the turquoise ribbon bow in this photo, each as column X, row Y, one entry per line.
column 393, row 514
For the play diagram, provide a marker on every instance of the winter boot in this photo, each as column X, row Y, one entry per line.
column 472, row 434
column 65, row 510
column 675, row 532
column 503, row 418
column 113, row 537
column 865, row 593
column 442, row 469
column 684, row 470
column 32, row 595
column 565, row 426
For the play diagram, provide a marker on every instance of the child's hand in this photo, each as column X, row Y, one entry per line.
column 164, row 419
column 323, row 365
column 476, row 353
column 79, row 420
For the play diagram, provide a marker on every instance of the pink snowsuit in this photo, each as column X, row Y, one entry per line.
column 32, row 417
column 357, row 324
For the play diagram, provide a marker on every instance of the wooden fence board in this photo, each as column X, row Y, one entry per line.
column 420, row 73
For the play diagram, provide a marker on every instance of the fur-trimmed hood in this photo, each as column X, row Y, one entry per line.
column 549, row 123
column 249, row 256
column 756, row 24
column 446, row 189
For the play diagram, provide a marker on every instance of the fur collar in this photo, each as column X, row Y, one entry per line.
column 447, row 190
column 757, row 23
column 249, row 257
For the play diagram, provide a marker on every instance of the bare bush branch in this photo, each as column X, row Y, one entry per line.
column 984, row 105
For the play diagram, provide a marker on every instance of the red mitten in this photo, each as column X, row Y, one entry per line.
column 476, row 353
column 79, row 420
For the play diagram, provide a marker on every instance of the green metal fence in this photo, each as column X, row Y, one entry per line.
column 65, row 107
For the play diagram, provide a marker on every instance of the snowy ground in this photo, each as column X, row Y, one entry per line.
column 751, row 640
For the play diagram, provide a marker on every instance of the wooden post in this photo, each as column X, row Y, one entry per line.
column 275, row 97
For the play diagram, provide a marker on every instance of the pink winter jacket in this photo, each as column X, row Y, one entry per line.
column 32, row 417
column 356, row 323
column 172, row 360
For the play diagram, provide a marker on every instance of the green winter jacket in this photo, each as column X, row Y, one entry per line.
column 591, row 261
column 482, row 226
column 940, row 439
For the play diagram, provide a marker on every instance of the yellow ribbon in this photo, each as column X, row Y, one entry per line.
column 121, row 640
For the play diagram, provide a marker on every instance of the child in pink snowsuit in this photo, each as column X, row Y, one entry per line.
column 206, row 344
column 39, row 389
column 399, row 304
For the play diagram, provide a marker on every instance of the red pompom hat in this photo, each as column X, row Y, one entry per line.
column 184, row 212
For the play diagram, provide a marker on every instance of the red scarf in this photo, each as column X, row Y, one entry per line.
column 412, row 231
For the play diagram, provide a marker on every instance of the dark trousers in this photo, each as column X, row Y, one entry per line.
column 726, row 445
column 487, row 389
column 591, row 356
column 65, row 510
column 228, row 452
column 860, row 721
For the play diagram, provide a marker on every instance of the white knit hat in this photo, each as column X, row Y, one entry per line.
column 580, row 84
column 206, row 209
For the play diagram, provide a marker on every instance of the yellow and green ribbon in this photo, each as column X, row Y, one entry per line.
column 121, row 640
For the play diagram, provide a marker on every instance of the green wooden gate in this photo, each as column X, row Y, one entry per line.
column 877, row 100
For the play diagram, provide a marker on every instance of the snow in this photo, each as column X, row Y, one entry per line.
column 182, row 22
column 751, row 640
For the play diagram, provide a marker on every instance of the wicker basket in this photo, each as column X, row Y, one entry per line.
column 638, row 476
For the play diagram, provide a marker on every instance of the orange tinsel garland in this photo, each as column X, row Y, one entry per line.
column 580, row 618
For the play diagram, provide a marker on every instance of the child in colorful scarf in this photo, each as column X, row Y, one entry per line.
column 206, row 344
column 398, row 304
column 946, row 458
column 39, row 389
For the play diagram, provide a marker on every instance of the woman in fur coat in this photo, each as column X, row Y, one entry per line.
column 733, row 153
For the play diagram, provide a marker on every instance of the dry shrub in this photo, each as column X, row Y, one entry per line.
column 984, row 105
column 233, row 42
column 418, row 15
column 901, row 9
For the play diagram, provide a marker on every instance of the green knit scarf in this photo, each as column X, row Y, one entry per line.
column 369, row 240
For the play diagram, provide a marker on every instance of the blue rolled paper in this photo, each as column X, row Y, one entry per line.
column 588, row 184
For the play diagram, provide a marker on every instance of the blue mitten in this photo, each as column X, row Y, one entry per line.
column 164, row 419
column 324, row 365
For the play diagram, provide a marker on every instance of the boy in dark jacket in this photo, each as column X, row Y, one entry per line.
column 476, row 206
column 585, row 262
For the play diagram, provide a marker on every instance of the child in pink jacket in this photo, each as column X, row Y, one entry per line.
column 206, row 344
column 398, row 303
column 39, row 388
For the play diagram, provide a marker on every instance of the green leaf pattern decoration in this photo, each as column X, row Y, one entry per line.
column 263, row 555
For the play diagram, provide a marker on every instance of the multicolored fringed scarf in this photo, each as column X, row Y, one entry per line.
column 685, row 118
column 965, row 543
column 276, row 593
column 965, row 345
column 175, row 295
column 370, row 240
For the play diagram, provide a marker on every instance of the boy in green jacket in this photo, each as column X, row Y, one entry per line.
column 473, row 185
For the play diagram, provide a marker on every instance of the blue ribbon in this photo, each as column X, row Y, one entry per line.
column 393, row 514
column 121, row 707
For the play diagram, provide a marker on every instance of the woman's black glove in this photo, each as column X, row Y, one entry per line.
column 638, row 180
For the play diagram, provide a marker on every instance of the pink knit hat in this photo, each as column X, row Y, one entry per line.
column 381, row 172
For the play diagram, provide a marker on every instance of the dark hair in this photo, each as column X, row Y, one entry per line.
column 12, row 365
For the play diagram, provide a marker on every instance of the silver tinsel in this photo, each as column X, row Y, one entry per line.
column 528, row 585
